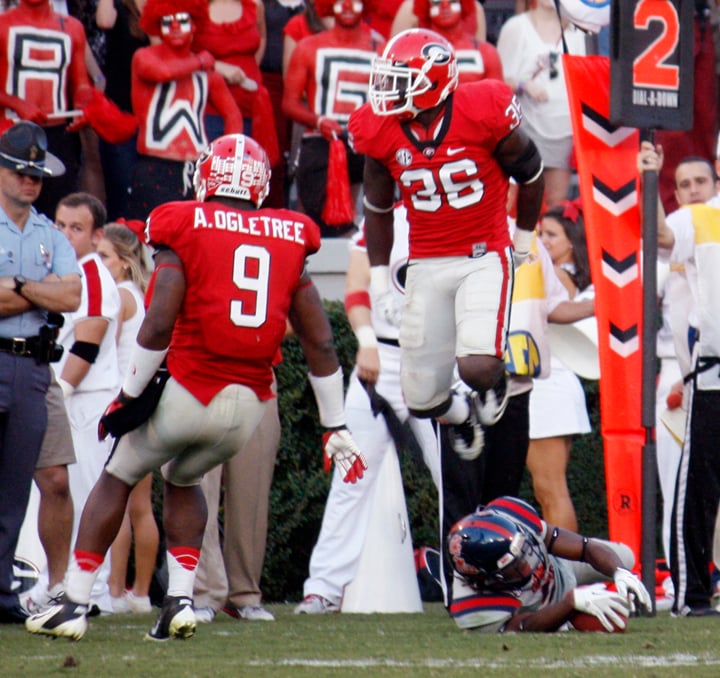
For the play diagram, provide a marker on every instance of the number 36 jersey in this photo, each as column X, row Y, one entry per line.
column 452, row 185
column 242, row 269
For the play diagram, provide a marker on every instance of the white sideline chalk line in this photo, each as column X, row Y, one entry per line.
column 592, row 661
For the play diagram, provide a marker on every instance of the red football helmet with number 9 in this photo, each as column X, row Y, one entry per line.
column 233, row 166
column 417, row 70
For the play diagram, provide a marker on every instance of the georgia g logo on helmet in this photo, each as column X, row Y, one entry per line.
column 436, row 53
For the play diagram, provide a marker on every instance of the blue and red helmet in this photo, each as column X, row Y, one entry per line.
column 491, row 551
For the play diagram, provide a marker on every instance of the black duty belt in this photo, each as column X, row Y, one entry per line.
column 389, row 342
column 19, row 346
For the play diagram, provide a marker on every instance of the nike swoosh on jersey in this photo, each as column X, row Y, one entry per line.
column 455, row 151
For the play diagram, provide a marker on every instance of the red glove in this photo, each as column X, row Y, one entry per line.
column 339, row 446
column 329, row 128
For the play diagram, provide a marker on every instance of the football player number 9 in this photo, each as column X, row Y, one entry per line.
column 458, row 180
column 255, row 259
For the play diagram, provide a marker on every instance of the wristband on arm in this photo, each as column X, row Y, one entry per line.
column 330, row 398
column 144, row 362
column 379, row 279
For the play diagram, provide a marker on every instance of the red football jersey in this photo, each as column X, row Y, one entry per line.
column 242, row 269
column 451, row 184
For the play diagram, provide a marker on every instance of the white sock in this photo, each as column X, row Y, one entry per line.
column 458, row 411
column 182, row 564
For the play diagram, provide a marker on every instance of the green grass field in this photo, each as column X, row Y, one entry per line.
column 426, row 644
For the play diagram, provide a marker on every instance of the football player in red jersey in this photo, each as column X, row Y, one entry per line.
column 451, row 149
column 326, row 80
column 228, row 277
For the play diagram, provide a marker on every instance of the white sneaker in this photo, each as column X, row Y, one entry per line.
column 204, row 615
column 138, row 604
column 314, row 604
column 255, row 613
column 120, row 604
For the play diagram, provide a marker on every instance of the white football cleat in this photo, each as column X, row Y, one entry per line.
column 67, row 620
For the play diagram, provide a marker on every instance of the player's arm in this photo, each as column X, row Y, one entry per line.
column 357, row 308
column 379, row 187
column 572, row 546
column 546, row 619
column 153, row 339
column 312, row 327
column 89, row 334
column 222, row 99
column 520, row 159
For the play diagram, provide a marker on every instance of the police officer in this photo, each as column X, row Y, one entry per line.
column 38, row 274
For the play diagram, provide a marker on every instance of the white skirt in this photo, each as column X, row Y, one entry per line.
column 557, row 404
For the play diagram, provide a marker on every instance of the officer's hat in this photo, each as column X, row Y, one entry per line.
column 23, row 148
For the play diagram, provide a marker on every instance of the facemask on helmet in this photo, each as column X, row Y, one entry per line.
column 491, row 551
column 233, row 166
column 417, row 71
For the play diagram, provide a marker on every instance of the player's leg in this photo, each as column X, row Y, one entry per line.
column 482, row 308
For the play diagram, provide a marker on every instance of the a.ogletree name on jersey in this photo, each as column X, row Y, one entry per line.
column 258, row 225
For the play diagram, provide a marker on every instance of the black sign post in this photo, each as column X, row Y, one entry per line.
column 651, row 87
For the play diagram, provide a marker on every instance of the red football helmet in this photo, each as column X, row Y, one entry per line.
column 233, row 166
column 417, row 70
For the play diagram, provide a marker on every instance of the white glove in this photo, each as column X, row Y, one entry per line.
column 630, row 587
column 383, row 300
column 608, row 606
column 338, row 445
column 387, row 307
column 522, row 241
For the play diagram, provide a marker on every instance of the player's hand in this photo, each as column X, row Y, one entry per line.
column 631, row 588
column 121, row 401
column 522, row 242
column 388, row 308
column 608, row 606
column 329, row 128
column 519, row 258
column 339, row 447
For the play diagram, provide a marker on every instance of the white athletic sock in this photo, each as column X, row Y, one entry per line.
column 458, row 411
column 81, row 576
column 182, row 563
